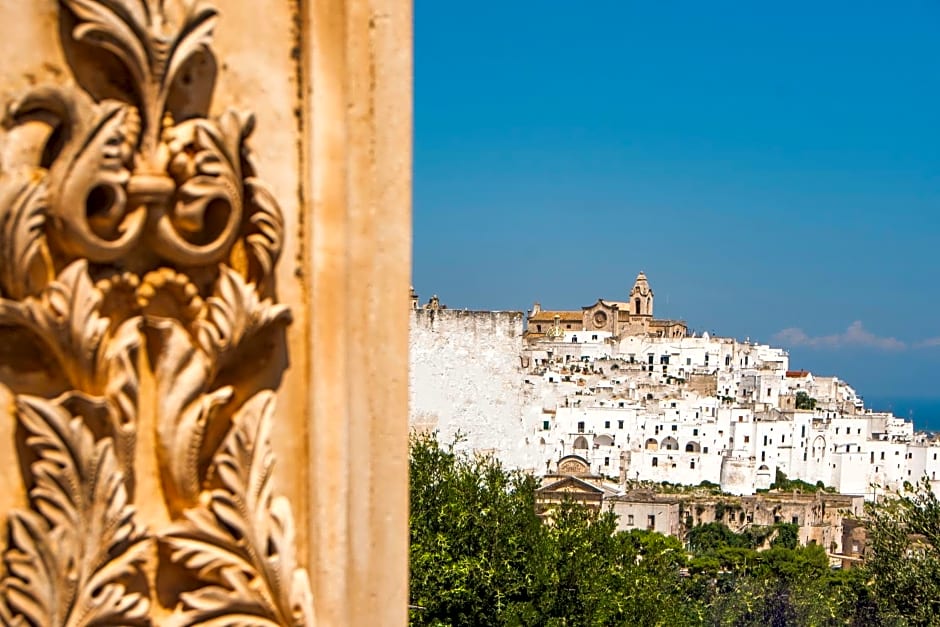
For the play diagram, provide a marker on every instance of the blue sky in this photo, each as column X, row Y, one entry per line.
column 773, row 168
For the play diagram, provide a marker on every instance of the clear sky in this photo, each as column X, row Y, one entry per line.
column 774, row 168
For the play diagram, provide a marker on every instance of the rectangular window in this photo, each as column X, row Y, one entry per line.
column 630, row 519
column 607, row 461
column 675, row 427
column 688, row 361
column 655, row 462
column 747, row 439
column 763, row 456
column 651, row 522
column 705, row 450
column 882, row 454
column 620, row 424
column 803, row 432
column 694, row 431
column 692, row 465
column 607, row 424
column 795, row 520
column 581, row 427
column 544, row 425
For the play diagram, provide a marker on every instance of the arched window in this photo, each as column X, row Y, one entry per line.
column 636, row 304
column 692, row 447
column 580, row 442
column 670, row 444
column 652, row 444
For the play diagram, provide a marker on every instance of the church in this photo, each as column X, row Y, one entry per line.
column 619, row 318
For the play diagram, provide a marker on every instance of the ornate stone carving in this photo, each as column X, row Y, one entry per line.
column 137, row 244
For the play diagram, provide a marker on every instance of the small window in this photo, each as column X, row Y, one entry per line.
column 607, row 424
column 692, row 465
column 675, row 427
column 607, row 461
column 544, row 425
column 747, row 439
column 882, row 454
column 795, row 520
column 651, row 522
column 688, row 361
column 630, row 519
column 538, row 328
column 593, row 337
column 655, row 462
column 581, row 427
column 705, row 450
column 620, row 422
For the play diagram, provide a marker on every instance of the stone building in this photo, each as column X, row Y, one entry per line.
column 613, row 318
column 823, row 519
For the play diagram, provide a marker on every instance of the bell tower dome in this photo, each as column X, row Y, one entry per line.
column 641, row 297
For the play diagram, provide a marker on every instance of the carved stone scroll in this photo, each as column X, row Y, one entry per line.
column 137, row 257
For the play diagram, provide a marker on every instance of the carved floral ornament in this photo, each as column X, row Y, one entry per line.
column 139, row 336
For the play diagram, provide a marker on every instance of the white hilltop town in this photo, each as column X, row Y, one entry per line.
column 625, row 398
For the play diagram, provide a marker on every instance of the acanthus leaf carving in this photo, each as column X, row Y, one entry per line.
column 183, row 376
column 74, row 559
column 266, row 235
column 242, row 541
column 235, row 313
column 25, row 264
column 125, row 233
column 92, row 356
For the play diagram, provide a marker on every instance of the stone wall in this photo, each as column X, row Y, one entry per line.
column 466, row 375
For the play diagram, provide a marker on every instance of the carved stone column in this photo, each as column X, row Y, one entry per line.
column 204, row 263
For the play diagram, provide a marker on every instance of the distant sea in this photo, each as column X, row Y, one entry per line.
column 925, row 412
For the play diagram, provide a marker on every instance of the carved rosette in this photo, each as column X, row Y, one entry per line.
column 137, row 243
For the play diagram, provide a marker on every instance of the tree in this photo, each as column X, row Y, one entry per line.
column 804, row 401
column 475, row 537
column 481, row 556
column 903, row 556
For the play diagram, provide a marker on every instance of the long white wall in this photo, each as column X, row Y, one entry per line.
column 466, row 376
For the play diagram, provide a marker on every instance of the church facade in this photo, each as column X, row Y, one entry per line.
column 631, row 317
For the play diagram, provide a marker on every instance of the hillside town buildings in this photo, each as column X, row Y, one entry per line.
column 643, row 400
